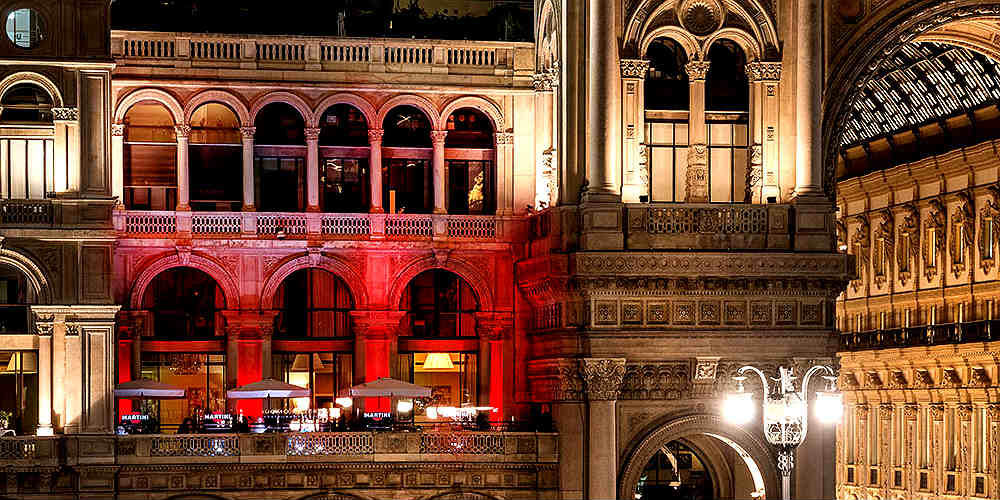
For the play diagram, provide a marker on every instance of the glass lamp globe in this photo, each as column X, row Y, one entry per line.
column 738, row 406
column 830, row 403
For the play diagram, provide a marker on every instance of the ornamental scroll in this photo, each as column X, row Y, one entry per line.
column 908, row 249
column 963, row 221
column 933, row 243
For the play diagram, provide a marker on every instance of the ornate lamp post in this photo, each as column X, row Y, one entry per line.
column 785, row 412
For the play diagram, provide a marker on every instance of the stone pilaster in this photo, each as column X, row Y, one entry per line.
column 248, row 180
column 117, row 164
column 375, row 169
column 762, row 172
column 183, row 132
column 439, row 174
column 696, row 179
column 636, row 181
column 602, row 379
column 312, row 169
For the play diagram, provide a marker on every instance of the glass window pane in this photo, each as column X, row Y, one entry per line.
column 662, row 133
column 662, row 173
column 740, row 166
column 740, row 134
column 720, row 134
column 720, row 176
column 680, row 173
column 681, row 134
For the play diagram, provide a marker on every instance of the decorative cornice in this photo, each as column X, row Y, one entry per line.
column 634, row 68
column 763, row 71
column 602, row 377
column 830, row 266
column 66, row 114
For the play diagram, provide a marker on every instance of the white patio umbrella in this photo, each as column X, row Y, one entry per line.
column 390, row 387
column 144, row 388
column 268, row 388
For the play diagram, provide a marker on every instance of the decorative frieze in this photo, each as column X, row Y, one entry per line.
column 758, row 71
column 656, row 381
column 634, row 68
column 66, row 114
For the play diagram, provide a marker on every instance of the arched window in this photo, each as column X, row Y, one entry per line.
column 344, row 165
column 727, row 102
column 16, row 293
column 216, row 159
column 150, row 157
column 26, row 161
column 406, row 174
column 184, row 303
column 279, row 159
column 470, row 154
column 313, row 303
column 441, row 310
column 666, row 104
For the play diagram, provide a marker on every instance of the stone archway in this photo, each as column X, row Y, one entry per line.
column 747, row 450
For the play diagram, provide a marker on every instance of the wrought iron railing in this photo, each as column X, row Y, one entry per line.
column 949, row 333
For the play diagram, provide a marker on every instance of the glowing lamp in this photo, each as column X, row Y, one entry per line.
column 335, row 413
column 345, row 402
column 738, row 406
column 438, row 361
column 432, row 412
column 830, row 403
column 404, row 406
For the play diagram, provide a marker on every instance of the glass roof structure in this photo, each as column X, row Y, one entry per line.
column 921, row 83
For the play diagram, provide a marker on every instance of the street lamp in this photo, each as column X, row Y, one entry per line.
column 785, row 412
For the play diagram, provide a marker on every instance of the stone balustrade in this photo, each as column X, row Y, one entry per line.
column 734, row 226
column 53, row 213
column 374, row 55
column 292, row 225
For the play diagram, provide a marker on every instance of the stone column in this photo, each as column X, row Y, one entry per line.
column 494, row 331
column 543, row 140
column 808, row 99
column 602, row 379
column 439, row 177
column 117, row 164
column 504, row 144
column 696, row 181
column 569, row 417
column 603, row 105
column 183, row 184
column 312, row 169
column 762, row 175
column 248, row 180
column 636, row 182
column 44, row 379
column 375, row 169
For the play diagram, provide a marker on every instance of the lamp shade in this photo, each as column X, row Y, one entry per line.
column 438, row 361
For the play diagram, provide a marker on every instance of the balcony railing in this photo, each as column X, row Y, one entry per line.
column 26, row 213
column 377, row 55
column 29, row 450
column 56, row 213
column 951, row 333
column 737, row 226
column 158, row 224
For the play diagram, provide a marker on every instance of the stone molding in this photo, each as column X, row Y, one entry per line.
column 634, row 68
column 66, row 114
column 758, row 71
column 748, row 265
column 602, row 377
column 656, row 381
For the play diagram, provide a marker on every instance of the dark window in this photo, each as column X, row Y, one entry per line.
column 440, row 304
column 469, row 128
column 727, row 87
column 313, row 303
column 470, row 187
column 897, row 478
column 150, row 158
column 850, row 475
column 27, row 103
column 15, row 295
column 343, row 125
column 980, row 485
column 873, row 476
column 279, row 123
column 666, row 83
column 216, row 159
column 950, row 483
column 184, row 303
column 406, row 126
column 345, row 186
column 923, row 480
column 280, row 184
column 406, row 186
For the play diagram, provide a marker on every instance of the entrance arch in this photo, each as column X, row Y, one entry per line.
column 750, row 450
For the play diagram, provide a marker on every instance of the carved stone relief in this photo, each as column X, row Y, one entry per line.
column 908, row 248
column 989, row 229
column 962, row 233
column 933, row 242
column 860, row 244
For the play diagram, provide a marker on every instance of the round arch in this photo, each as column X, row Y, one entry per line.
column 646, row 12
column 333, row 495
column 748, row 446
column 686, row 40
column 751, row 49
column 220, row 96
column 35, row 78
column 366, row 108
column 168, row 101
column 421, row 103
column 881, row 39
column 196, row 496
column 488, row 108
column 225, row 280
column 466, row 271
column 548, row 11
column 461, row 495
column 334, row 265
column 32, row 272
column 281, row 96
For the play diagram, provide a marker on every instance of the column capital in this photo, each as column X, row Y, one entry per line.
column 697, row 70
column 634, row 68
column 542, row 82
column 504, row 138
column 249, row 324
column 248, row 132
column 312, row 133
column 182, row 130
column 758, row 71
column 438, row 137
column 602, row 377
column 375, row 135
column 66, row 114
column 494, row 326
column 117, row 129
column 376, row 324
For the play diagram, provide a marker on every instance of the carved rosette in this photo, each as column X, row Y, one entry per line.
column 634, row 68
column 908, row 249
column 697, row 70
column 962, row 232
column 66, row 114
column 701, row 17
column 934, row 227
column 375, row 135
column 602, row 377
column 763, row 71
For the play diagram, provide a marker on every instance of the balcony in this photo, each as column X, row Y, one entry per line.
column 951, row 333
column 298, row 225
column 55, row 213
column 675, row 226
